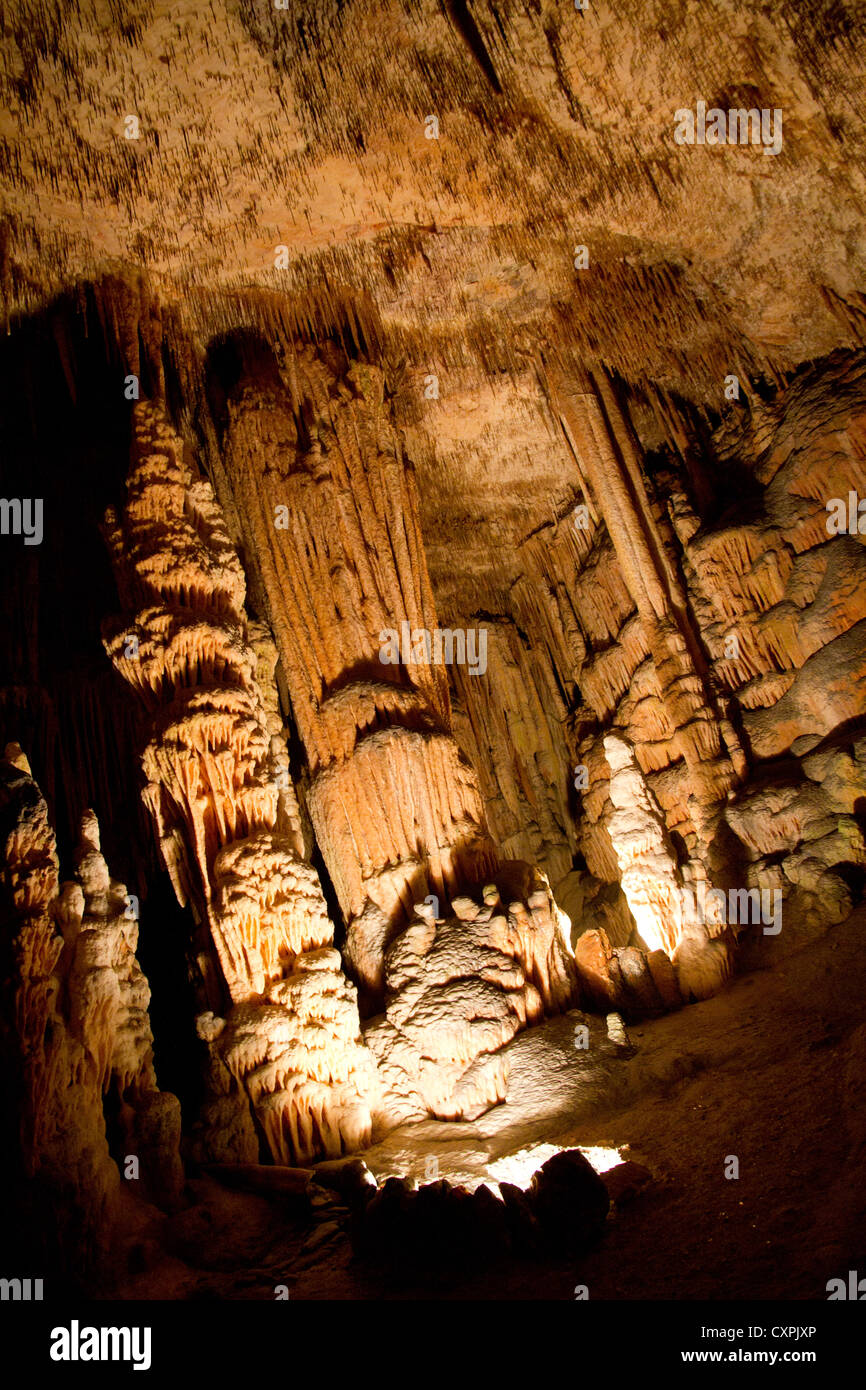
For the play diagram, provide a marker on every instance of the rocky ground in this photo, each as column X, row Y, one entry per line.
column 770, row 1071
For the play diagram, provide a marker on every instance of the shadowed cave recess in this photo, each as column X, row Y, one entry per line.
column 433, row 676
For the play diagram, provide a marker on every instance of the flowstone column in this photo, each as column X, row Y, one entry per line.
column 325, row 494
column 225, row 809
column 611, row 467
column 664, row 898
column 613, row 485
column 74, row 1027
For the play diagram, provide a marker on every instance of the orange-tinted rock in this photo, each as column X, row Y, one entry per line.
column 77, row 1029
column 226, row 813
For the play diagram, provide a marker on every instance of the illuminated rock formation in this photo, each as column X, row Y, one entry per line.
column 648, row 869
column 459, row 988
column 614, row 485
column 766, row 607
column 465, row 341
column 664, row 898
column 781, row 595
column 525, row 380
column 75, row 1029
column 225, row 809
column 396, row 809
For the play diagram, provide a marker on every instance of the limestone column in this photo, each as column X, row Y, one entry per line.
column 74, row 1026
column 609, row 462
column 458, row 950
column 330, row 503
column 612, row 478
column 225, row 809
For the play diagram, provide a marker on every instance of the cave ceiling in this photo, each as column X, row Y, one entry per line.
column 450, row 627
column 309, row 128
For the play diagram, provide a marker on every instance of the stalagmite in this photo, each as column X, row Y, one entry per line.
column 662, row 896
column 487, row 674
column 75, row 1029
column 396, row 808
column 648, row 868
column 225, row 809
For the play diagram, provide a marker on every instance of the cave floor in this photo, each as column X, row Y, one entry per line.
column 771, row 1071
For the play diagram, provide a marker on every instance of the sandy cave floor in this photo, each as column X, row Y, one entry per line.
column 772, row 1070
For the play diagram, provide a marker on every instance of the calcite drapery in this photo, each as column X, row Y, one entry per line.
column 225, row 808
column 644, row 605
column 396, row 810
column 611, row 465
column 432, row 256
column 319, row 479
column 74, row 1027
column 510, row 725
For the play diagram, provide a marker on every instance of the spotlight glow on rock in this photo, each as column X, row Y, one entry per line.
column 518, row 1168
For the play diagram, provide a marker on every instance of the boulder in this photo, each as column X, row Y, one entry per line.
column 569, row 1201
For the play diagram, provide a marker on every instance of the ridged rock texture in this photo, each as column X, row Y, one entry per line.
column 395, row 808
column 76, row 1045
column 225, row 810
column 320, row 482
column 747, row 652
column 459, row 988
column 420, row 318
column 333, row 518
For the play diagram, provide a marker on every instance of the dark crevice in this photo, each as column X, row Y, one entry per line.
column 459, row 13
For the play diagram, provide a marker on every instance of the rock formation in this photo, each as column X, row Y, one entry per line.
column 225, row 811
column 319, row 478
column 377, row 750
column 489, row 579
column 396, row 811
column 459, row 988
column 75, row 1037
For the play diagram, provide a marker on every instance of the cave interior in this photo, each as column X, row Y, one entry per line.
column 433, row 675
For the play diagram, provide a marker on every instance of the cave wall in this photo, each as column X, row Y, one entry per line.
column 436, row 328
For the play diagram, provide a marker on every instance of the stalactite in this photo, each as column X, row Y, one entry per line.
column 460, row 331
column 396, row 808
column 340, row 556
column 224, row 806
